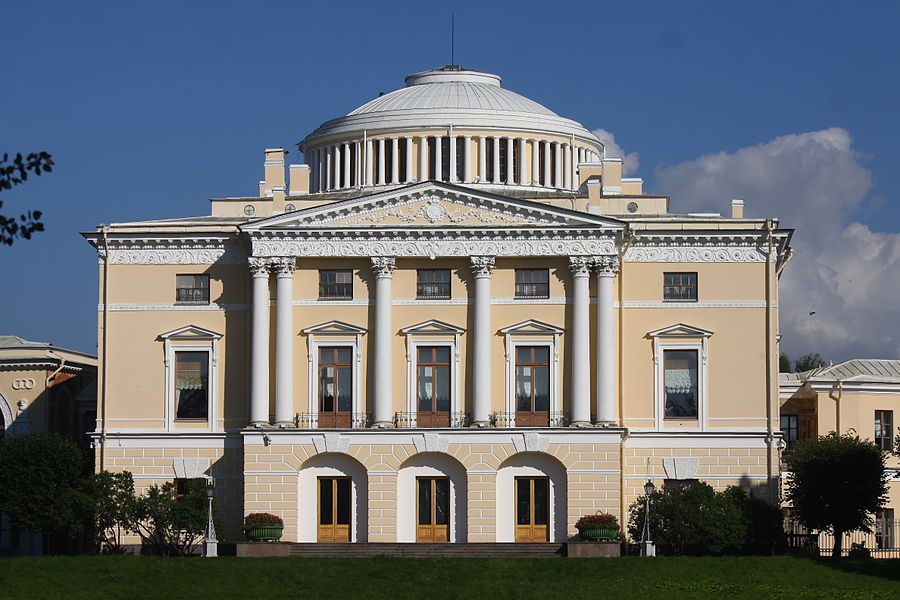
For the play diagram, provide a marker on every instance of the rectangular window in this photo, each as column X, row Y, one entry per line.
column 532, row 283
column 433, row 283
column 680, row 382
column 433, row 378
column 335, row 380
column 533, row 386
column 191, row 385
column 884, row 528
column 884, row 429
column 192, row 289
column 680, row 287
column 790, row 429
column 335, row 284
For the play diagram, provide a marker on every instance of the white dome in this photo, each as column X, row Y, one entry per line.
column 450, row 96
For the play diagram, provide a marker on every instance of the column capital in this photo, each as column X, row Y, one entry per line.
column 283, row 266
column 383, row 266
column 581, row 265
column 259, row 267
column 482, row 266
column 606, row 266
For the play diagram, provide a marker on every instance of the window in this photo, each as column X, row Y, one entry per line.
column 680, row 380
column 884, row 528
column 433, row 386
column 433, row 283
column 533, row 385
column 191, row 385
column 680, row 287
column 335, row 386
column 790, row 429
column 532, row 283
column 192, row 289
column 884, row 429
column 335, row 284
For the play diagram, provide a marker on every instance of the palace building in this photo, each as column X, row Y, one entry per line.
column 453, row 320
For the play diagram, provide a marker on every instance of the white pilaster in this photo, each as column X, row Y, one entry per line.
column 409, row 159
column 336, row 178
column 607, row 267
column 453, row 178
column 259, row 356
column 284, row 341
column 423, row 158
column 482, row 266
column 383, row 267
column 467, row 159
column 438, row 158
column 496, row 145
column 482, row 159
column 395, row 160
column 380, row 161
column 581, row 344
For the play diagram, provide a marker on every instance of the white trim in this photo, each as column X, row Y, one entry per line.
column 213, row 306
column 659, row 349
column 5, row 414
column 706, row 304
column 160, row 439
column 314, row 341
column 370, row 436
column 412, row 360
column 170, row 351
column 512, row 342
column 693, row 439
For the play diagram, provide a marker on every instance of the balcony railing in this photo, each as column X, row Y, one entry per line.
column 407, row 420
column 332, row 420
column 510, row 419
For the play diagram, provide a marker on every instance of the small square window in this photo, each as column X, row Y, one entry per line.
column 532, row 283
column 433, row 283
column 335, row 284
column 680, row 287
column 192, row 289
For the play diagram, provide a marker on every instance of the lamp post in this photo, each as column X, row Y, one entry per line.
column 211, row 544
column 647, row 547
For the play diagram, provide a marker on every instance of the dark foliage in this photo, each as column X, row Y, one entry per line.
column 808, row 362
column 14, row 172
column 170, row 524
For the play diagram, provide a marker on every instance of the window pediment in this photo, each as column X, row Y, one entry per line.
column 680, row 330
column 433, row 326
column 532, row 327
column 335, row 328
column 190, row 332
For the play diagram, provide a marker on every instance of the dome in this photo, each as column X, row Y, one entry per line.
column 450, row 96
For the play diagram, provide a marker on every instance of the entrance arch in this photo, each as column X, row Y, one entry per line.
column 431, row 465
column 525, row 473
column 325, row 469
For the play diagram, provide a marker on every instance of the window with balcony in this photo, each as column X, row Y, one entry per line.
column 192, row 289
column 680, row 287
column 884, row 429
column 532, row 386
column 532, row 283
column 433, row 386
column 335, row 386
column 335, row 284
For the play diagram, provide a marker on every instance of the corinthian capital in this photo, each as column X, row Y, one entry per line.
column 580, row 265
column 283, row 265
column 606, row 266
column 482, row 266
column 383, row 266
column 259, row 267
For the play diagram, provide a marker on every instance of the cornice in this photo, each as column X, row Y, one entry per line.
column 173, row 251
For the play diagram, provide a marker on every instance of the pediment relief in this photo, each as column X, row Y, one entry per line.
column 531, row 326
column 433, row 209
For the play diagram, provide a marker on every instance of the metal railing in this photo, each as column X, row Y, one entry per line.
column 882, row 542
column 408, row 420
column 311, row 421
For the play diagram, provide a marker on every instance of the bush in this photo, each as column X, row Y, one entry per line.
column 262, row 520
column 113, row 507
column 764, row 523
column 170, row 524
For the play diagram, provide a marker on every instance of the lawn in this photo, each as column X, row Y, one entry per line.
column 779, row 578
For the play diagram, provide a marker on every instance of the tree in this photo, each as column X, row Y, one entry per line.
column 808, row 362
column 784, row 363
column 41, row 483
column 835, row 483
column 15, row 172
column 171, row 524
column 113, row 506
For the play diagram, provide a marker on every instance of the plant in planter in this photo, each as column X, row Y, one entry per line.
column 598, row 527
column 263, row 527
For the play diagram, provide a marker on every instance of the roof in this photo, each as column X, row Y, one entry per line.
column 14, row 348
column 14, row 341
column 857, row 369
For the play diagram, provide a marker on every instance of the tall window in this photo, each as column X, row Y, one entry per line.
column 191, row 385
column 433, row 283
column 192, row 289
column 433, row 379
column 532, row 283
column 790, row 428
column 336, row 284
column 884, row 429
column 335, row 379
column 884, row 528
column 533, row 385
column 681, row 388
column 680, row 287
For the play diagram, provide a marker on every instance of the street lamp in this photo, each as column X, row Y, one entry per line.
column 211, row 544
column 647, row 547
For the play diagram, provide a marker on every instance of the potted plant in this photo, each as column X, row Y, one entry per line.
column 598, row 527
column 263, row 527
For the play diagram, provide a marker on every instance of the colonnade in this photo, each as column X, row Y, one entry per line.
column 500, row 160
column 605, row 269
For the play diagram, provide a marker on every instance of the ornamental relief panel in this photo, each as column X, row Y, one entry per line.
column 176, row 255
column 433, row 212
column 696, row 254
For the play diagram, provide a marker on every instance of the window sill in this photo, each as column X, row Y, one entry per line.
column 675, row 301
column 186, row 420
column 331, row 298
column 192, row 303
column 434, row 297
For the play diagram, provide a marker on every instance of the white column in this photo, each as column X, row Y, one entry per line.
column 336, row 163
column 259, row 349
column 482, row 159
column 395, row 160
column 346, row 169
column 452, row 158
column 535, row 163
column 423, row 158
column 438, row 158
column 510, row 161
column 467, row 159
column 607, row 267
column 358, row 169
column 284, row 341
column 328, row 173
column 581, row 344
column 547, row 162
column 522, row 178
column 496, row 144
column 383, row 267
column 557, row 171
column 409, row 159
column 482, row 266
column 567, row 159
column 380, row 179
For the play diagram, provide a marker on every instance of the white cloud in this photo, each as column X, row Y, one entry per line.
column 630, row 162
column 844, row 272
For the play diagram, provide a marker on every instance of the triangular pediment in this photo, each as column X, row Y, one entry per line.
column 334, row 328
column 432, row 326
column 190, row 332
column 680, row 330
column 531, row 326
column 431, row 205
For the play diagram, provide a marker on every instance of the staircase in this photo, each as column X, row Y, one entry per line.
column 336, row 549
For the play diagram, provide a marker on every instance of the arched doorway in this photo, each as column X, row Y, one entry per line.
column 333, row 499
column 432, row 499
column 531, row 499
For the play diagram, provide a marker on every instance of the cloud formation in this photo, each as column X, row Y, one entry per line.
column 843, row 271
column 630, row 162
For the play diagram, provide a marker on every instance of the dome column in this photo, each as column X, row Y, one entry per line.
column 467, row 159
column 336, row 163
column 557, row 165
column 346, row 169
column 380, row 161
column 522, row 177
column 369, row 158
column 482, row 159
column 409, row 159
column 423, row 158
column 453, row 177
column 328, row 160
column 547, row 161
column 567, row 156
column 395, row 160
column 510, row 161
column 438, row 158
column 496, row 146
column 535, row 163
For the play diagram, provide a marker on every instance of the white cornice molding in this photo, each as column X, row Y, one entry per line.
column 168, row 251
column 712, row 250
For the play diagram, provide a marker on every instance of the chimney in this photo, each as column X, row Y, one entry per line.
column 737, row 209
column 274, row 169
column 299, row 180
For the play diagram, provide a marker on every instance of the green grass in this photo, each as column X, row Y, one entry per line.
column 757, row 578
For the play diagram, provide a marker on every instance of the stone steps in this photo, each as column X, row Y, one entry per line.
column 428, row 549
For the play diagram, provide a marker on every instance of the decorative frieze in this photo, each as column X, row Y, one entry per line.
column 165, row 252
column 696, row 254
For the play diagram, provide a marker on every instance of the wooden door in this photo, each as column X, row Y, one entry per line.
column 532, row 509
column 334, row 509
column 432, row 509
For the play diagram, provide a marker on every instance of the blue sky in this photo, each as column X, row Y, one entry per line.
column 149, row 109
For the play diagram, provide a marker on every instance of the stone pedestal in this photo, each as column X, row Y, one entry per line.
column 593, row 549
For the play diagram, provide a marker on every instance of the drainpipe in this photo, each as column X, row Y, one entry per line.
column 629, row 238
column 770, row 434
column 104, row 229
